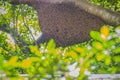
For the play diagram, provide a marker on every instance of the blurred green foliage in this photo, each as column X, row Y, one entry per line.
column 100, row 55
column 109, row 4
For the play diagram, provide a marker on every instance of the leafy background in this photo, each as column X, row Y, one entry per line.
column 18, row 55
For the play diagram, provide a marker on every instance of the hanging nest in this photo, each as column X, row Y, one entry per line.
column 65, row 23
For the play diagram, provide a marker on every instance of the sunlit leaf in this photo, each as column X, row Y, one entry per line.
column 1, row 61
column 109, row 44
column 41, row 70
column 73, row 54
column 98, row 45
column 81, row 51
column 26, row 63
column 108, row 60
column 116, row 58
column 12, row 62
column 51, row 44
column 17, row 78
column 100, row 57
column 35, row 50
column 95, row 35
column 117, row 50
column 104, row 32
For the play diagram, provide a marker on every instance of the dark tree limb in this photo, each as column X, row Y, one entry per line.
column 110, row 17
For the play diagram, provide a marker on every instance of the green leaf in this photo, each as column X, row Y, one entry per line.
column 109, row 44
column 108, row 60
column 95, row 35
column 97, row 45
column 51, row 44
column 116, row 50
column 116, row 58
column 1, row 61
column 100, row 57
